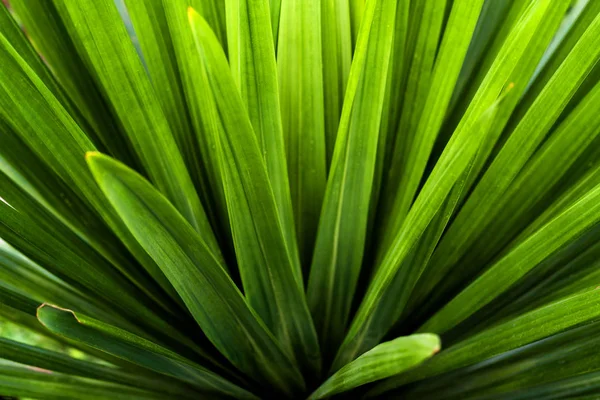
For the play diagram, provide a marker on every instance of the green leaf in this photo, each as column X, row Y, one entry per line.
column 89, row 107
column 387, row 359
column 557, row 357
column 342, row 227
column 59, row 362
column 101, row 39
column 448, row 61
column 254, row 70
column 527, row 328
column 357, row 10
column 37, row 116
column 561, row 230
column 134, row 349
column 22, row 273
column 538, row 182
column 336, row 46
column 271, row 278
column 396, row 276
column 196, row 273
column 518, row 149
column 152, row 31
column 392, row 303
column 300, row 67
column 27, row 382
column 423, row 36
column 189, row 63
column 59, row 250
column 214, row 12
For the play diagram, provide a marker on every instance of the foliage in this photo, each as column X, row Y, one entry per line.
column 300, row 199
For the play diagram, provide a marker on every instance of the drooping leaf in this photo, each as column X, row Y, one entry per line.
column 22, row 381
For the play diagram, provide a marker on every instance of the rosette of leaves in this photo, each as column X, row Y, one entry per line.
column 300, row 199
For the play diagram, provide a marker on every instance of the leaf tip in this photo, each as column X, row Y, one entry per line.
column 90, row 155
column 191, row 13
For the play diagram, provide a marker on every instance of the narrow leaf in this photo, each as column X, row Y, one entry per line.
column 527, row 328
column 134, row 349
column 300, row 67
column 101, row 38
column 196, row 273
column 387, row 359
column 254, row 70
column 342, row 227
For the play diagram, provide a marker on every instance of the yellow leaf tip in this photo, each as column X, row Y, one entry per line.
column 91, row 154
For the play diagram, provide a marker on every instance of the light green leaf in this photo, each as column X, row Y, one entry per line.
column 37, row 116
column 450, row 56
column 152, row 32
column 518, row 149
column 189, row 64
column 341, row 234
column 102, row 40
column 387, row 359
column 396, row 276
column 423, row 36
column 196, row 273
column 90, row 109
column 271, row 278
column 336, row 46
column 561, row 230
column 357, row 10
column 254, row 70
column 300, row 67
column 557, row 357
